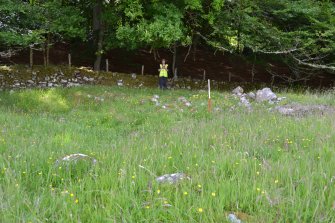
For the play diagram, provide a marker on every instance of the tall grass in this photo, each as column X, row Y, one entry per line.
column 260, row 165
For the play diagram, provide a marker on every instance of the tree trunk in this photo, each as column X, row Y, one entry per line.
column 195, row 43
column 99, row 32
column 174, row 59
column 97, row 63
column 44, row 55
column 31, row 55
column 48, row 49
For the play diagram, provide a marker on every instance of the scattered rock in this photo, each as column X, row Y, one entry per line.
column 120, row 83
column 172, row 178
column 73, row 158
column 188, row 104
column 245, row 102
column 265, row 94
column 303, row 110
column 251, row 95
column 99, row 99
column 182, row 99
column 233, row 218
column 155, row 99
column 238, row 91
column 133, row 75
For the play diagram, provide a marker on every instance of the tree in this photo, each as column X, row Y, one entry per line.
column 302, row 31
column 39, row 23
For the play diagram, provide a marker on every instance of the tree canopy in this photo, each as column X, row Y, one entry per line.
column 303, row 31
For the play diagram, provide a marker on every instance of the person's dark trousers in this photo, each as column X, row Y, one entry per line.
column 162, row 82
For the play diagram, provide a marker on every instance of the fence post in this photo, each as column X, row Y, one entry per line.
column 69, row 58
column 31, row 57
column 175, row 75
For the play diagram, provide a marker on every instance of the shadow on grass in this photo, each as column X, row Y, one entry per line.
column 50, row 100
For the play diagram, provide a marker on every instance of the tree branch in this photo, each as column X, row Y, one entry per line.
column 276, row 52
column 210, row 43
column 318, row 66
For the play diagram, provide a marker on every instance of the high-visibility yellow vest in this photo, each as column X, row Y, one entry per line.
column 164, row 70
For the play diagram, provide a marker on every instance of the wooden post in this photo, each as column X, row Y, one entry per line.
column 252, row 76
column 229, row 76
column 272, row 79
column 31, row 59
column 69, row 58
column 209, row 96
column 107, row 66
column 175, row 75
column 204, row 75
column 142, row 72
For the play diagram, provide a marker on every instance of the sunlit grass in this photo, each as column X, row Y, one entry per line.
column 260, row 165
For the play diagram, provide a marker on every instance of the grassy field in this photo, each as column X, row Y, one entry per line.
column 262, row 166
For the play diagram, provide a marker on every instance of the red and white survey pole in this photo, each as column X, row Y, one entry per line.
column 209, row 96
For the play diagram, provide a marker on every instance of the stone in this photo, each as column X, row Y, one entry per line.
column 265, row 94
column 120, row 83
column 75, row 158
column 251, row 95
column 182, row 99
column 245, row 102
column 238, row 91
column 303, row 110
column 133, row 75
column 30, row 82
column 233, row 218
column 172, row 178
column 188, row 104
column 42, row 84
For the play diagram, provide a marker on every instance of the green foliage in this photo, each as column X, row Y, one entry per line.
column 24, row 24
column 236, row 26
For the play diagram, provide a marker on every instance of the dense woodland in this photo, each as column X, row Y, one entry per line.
column 300, row 34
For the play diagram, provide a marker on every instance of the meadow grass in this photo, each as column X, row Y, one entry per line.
column 260, row 165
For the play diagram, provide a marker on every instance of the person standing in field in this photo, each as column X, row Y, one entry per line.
column 163, row 74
